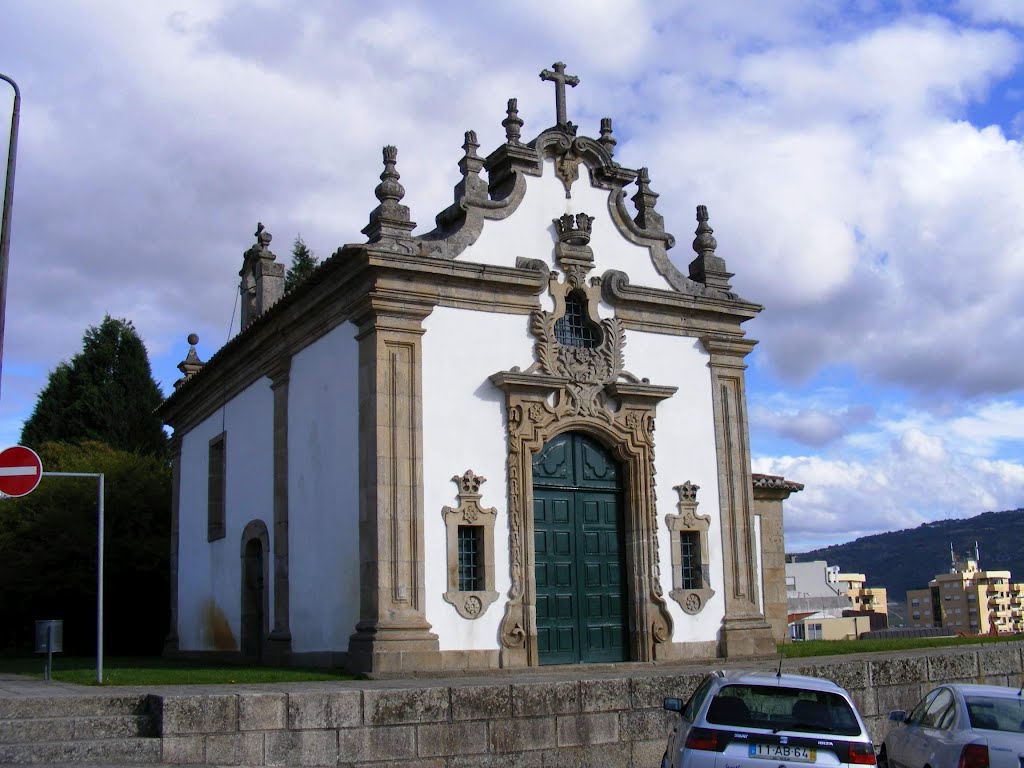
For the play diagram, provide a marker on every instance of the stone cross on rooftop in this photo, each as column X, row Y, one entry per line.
column 560, row 79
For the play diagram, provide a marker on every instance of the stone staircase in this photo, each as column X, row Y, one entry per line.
column 78, row 729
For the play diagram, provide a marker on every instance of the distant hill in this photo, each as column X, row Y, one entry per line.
column 909, row 559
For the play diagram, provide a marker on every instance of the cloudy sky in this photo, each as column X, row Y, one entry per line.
column 862, row 162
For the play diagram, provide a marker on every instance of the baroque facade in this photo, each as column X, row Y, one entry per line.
column 517, row 439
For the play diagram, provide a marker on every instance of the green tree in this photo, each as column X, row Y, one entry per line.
column 48, row 551
column 303, row 264
column 105, row 393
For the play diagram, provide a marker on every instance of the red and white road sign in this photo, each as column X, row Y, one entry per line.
column 20, row 471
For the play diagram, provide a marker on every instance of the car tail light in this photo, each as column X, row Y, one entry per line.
column 974, row 756
column 706, row 739
column 862, row 754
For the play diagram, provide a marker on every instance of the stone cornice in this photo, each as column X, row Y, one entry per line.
column 727, row 351
column 659, row 310
column 774, row 487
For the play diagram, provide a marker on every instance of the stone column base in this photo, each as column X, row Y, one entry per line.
column 277, row 648
column 382, row 648
column 746, row 637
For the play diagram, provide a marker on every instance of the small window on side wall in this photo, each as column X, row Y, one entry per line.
column 470, row 549
column 216, row 485
column 691, row 583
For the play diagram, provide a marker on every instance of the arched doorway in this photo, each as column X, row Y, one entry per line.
column 579, row 553
column 255, row 543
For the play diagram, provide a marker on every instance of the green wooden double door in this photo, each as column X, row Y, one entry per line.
column 578, row 546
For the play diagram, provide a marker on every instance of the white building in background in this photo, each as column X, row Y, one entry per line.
column 517, row 439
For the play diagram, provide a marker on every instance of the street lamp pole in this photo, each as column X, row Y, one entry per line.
column 5, row 219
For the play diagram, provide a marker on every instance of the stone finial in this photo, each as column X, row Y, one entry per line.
column 262, row 278
column 471, row 186
column 191, row 365
column 469, row 483
column 704, row 243
column 573, row 229
column 687, row 492
column 607, row 140
column 708, row 267
column 513, row 123
column 389, row 220
column 389, row 188
column 645, row 199
column 560, row 79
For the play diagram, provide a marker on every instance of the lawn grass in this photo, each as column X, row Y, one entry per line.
column 836, row 647
column 125, row 670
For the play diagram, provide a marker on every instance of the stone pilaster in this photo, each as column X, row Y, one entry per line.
column 279, row 641
column 393, row 632
column 171, row 643
column 744, row 629
column 769, row 493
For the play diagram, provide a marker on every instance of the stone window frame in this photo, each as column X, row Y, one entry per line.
column 470, row 604
column 692, row 601
column 216, row 487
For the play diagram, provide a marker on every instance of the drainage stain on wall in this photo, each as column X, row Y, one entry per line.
column 216, row 629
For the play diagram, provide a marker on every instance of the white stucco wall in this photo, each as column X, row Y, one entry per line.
column 529, row 233
column 210, row 573
column 323, row 490
column 464, row 428
column 684, row 447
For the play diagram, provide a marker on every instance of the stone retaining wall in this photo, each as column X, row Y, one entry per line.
column 607, row 719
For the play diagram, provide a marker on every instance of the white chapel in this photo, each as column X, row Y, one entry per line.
column 517, row 439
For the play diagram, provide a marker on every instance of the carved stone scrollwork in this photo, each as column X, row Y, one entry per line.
column 691, row 583
column 470, row 604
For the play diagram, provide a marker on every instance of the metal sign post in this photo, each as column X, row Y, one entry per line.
column 99, row 567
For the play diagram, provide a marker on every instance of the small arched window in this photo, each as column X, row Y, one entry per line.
column 574, row 328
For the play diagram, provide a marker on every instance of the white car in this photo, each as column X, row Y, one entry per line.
column 959, row 726
column 767, row 720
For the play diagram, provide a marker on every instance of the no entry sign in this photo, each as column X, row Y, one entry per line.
column 20, row 471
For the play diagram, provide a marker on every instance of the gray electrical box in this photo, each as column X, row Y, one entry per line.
column 50, row 636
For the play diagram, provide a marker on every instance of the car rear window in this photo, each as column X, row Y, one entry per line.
column 996, row 714
column 783, row 709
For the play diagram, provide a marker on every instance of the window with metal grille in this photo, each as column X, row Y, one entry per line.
column 574, row 329
column 689, row 557
column 471, row 553
column 216, row 478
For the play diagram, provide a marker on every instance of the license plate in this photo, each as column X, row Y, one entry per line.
column 783, row 752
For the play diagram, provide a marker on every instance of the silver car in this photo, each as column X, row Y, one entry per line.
column 959, row 726
column 767, row 720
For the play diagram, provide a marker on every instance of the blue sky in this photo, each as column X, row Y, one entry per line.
column 861, row 162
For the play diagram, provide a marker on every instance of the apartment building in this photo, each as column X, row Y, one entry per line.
column 969, row 600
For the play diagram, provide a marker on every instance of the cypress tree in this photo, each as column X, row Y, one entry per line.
column 105, row 393
column 303, row 264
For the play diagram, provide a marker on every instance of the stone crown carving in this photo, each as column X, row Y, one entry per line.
column 574, row 230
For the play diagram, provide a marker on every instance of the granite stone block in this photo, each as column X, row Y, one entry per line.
column 898, row 670
column 262, row 711
column 602, row 755
column 1002, row 659
column 906, row 697
column 481, row 702
column 650, row 752
column 318, row 710
column 522, row 734
column 946, row 667
column 361, row 745
column 848, row 674
column 313, row 748
column 183, row 749
column 406, row 705
column 604, row 695
column 513, row 760
column 235, row 749
column 583, row 730
column 643, row 724
column 199, row 713
column 650, row 692
column 446, row 739
column 546, row 699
